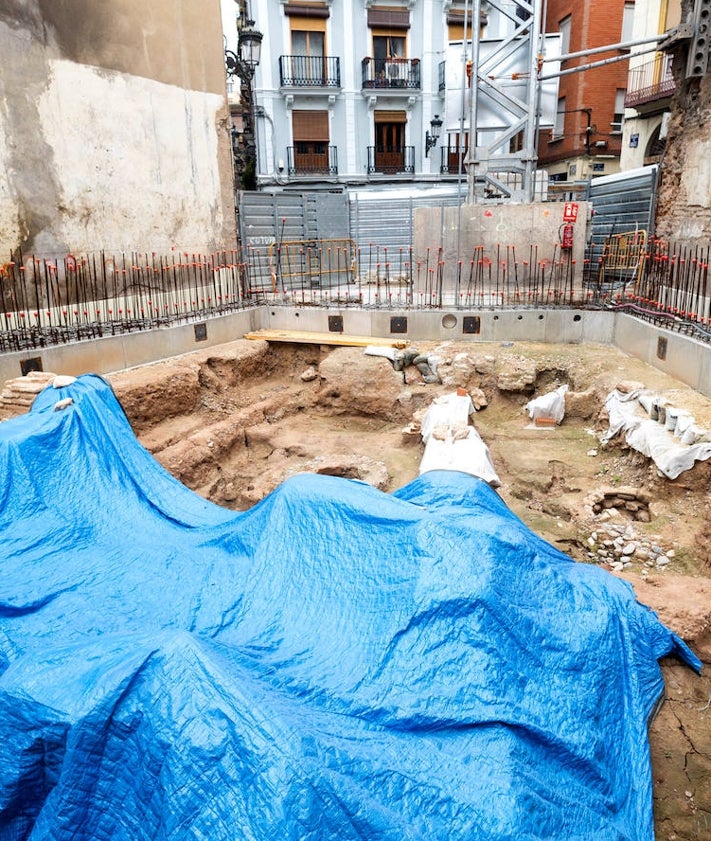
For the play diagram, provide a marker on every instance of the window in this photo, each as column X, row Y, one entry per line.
column 310, row 129
column 516, row 143
column 564, row 29
column 559, row 127
column 308, row 50
column 627, row 22
column 388, row 28
column 390, row 66
column 307, row 43
column 616, row 124
column 455, row 28
column 388, row 46
column 457, row 146
column 521, row 13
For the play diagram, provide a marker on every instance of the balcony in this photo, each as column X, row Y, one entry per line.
column 309, row 71
column 391, row 160
column 449, row 160
column 306, row 159
column 391, row 75
column 650, row 82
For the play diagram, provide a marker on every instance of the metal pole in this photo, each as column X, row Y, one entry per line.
column 471, row 161
column 600, row 63
column 463, row 102
column 533, row 101
column 622, row 45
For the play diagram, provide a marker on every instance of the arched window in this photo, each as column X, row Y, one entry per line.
column 655, row 147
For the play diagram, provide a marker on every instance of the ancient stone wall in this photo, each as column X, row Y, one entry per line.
column 684, row 202
column 113, row 127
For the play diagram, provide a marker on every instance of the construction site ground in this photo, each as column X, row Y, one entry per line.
column 232, row 422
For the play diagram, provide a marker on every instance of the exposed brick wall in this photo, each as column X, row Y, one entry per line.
column 684, row 201
column 594, row 23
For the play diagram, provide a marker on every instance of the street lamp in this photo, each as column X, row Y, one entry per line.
column 249, row 47
column 431, row 139
column 243, row 64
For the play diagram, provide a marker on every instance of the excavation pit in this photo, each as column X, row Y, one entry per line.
column 232, row 422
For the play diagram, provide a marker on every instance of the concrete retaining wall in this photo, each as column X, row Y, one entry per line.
column 679, row 356
column 116, row 353
column 501, row 230
column 534, row 325
column 113, row 128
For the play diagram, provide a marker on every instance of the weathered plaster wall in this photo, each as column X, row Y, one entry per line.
column 113, row 127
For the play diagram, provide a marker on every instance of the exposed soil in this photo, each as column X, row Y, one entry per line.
column 233, row 422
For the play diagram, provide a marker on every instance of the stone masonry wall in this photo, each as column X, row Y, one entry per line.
column 684, row 202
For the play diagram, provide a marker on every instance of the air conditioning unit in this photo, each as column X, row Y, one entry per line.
column 396, row 71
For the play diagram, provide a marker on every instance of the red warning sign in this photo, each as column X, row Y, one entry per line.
column 570, row 211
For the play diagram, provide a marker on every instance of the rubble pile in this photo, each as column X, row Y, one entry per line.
column 619, row 546
column 17, row 395
column 633, row 503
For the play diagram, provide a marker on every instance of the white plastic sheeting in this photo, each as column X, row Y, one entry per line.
column 451, row 443
column 669, row 436
column 551, row 405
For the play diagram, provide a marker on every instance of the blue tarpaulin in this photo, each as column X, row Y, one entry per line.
column 335, row 663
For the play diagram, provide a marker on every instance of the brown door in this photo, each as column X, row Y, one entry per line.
column 390, row 147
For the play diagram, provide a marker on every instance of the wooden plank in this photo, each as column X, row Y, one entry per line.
column 306, row 337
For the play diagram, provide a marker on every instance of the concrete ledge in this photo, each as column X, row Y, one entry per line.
column 486, row 325
column 682, row 357
column 116, row 353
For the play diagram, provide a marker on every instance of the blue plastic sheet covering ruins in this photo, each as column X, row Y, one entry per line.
column 335, row 663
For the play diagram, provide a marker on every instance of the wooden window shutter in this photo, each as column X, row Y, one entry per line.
column 388, row 19
column 455, row 24
column 306, row 11
column 390, row 116
column 303, row 24
column 310, row 125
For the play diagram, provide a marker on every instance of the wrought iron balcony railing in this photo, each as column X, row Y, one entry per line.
column 650, row 81
column 450, row 157
column 391, row 160
column 392, row 73
column 309, row 71
column 312, row 159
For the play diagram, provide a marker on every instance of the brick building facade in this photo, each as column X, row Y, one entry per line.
column 586, row 139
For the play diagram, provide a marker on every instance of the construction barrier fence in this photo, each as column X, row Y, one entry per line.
column 50, row 301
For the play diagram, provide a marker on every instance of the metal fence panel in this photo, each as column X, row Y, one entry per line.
column 388, row 221
column 623, row 202
column 380, row 225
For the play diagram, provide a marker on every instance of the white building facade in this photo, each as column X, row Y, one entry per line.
column 650, row 86
column 353, row 92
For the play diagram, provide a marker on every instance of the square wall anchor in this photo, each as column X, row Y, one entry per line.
column 398, row 324
column 335, row 323
column 34, row 363
column 200, row 332
column 471, row 324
